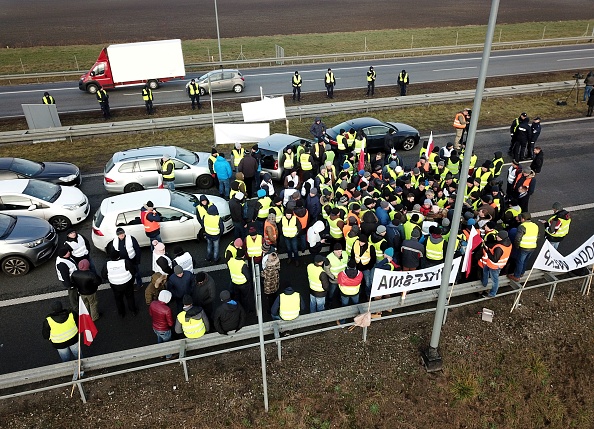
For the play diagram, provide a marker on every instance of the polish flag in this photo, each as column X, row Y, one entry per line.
column 361, row 165
column 160, row 181
column 474, row 240
column 430, row 145
column 86, row 326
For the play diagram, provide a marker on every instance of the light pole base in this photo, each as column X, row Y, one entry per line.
column 431, row 359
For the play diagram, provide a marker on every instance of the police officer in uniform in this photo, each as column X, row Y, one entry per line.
column 61, row 328
column 403, row 81
column 194, row 93
column 48, row 99
column 103, row 99
column 296, row 83
column 147, row 96
column 370, row 81
column 329, row 81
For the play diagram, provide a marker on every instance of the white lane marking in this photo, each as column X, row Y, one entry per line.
column 455, row 68
column 41, row 90
column 160, row 91
column 575, row 59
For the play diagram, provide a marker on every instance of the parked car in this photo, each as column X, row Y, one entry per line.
column 178, row 213
column 62, row 206
column 221, row 80
column 25, row 242
column 272, row 148
column 406, row 137
column 60, row 173
column 138, row 169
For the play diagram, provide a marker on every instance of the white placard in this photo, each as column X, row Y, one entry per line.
column 549, row 259
column 268, row 109
column 240, row 133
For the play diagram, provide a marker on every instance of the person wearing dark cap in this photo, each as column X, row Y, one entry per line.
column 349, row 283
column 494, row 259
column 213, row 230
column 318, row 284
column 371, row 76
column 378, row 241
column 497, row 164
column 512, row 131
column 79, row 247
column 403, row 81
column 317, row 129
column 61, row 328
column 161, row 317
column 241, row 281
column 65, row 266
column 167, row 172
column 522, row 136
column 204, row 292
column 253, row 245
column 524, row 186
column 537, row 160
column 120, row 273
column 179, row 284
column 336, row 262
column 435, row 247
column 288, row 305
column 193, row 91
column 229, row 316
column 557, row 227
column 128, row 248
column 296, row 82
column 313, row 206
column 47, row 98
column 86, row 283
column 191, row 321
column 364, row 255
column 150, row 219
column 535, row 129
column 291, row 228
column 484, row 174
column 525, row 242
column 412, row 254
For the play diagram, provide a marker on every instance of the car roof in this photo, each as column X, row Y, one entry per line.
column 5, row 162
column 143, row 152
column 363, row 122
column 135, row 200
column 15, row 186
column 278, row 141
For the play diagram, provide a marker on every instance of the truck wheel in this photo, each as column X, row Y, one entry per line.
column 202, row 91
column 92, row 88
column 205, row 181
column 153, row 84
column 238, row 88
column 15, row 266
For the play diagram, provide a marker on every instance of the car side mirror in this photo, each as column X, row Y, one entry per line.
column 183, row 219
column 32, row 207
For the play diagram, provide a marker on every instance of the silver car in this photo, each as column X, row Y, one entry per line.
column 221, row 80
column 138, row 169
column 25, row 242
column 272, row 148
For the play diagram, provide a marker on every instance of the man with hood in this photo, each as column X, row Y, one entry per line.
column 61, row 328
column 229, row 316
column 202, row 208
column 317, row 129
column 223, row 170
column 191, row 321
column 314, row 239
column 288, row 305
column 213, row 229
column 162, row 319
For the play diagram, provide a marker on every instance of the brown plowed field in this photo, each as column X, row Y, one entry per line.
column 63, row 22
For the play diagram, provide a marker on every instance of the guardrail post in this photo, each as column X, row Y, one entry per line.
column 81, row 390
column 551, row 278
column 182, row 357
column 279, row 344
column 587, row 282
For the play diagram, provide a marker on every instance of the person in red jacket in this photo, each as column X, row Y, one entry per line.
column 162, row 318
column 349, row 283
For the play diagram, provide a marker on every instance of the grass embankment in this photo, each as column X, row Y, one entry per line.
column 82, row 57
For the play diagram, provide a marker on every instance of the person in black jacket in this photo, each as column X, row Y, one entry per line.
column 229, row 316
column 87, row 282
column 179, row 284
column 64, row 338
column 535, row 129
column 522, row 136
column 538, row 160
column 204, row 292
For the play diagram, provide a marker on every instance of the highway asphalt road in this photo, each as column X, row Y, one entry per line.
column 24, row 302
column 349, row 75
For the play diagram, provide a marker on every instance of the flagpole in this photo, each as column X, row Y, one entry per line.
column 517, row 300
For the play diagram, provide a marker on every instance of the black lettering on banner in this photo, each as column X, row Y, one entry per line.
column 407, row 280
column 383, row 283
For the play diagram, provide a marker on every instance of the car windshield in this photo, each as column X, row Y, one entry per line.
column 26, row 167
column 43, row 190
column 203, row 77
column 186, row 156
column 7, row 224
column 183, row 201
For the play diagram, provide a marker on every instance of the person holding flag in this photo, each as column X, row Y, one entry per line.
column 427, row 148
column 472, row 242
column 86, row 326
column 61, row 328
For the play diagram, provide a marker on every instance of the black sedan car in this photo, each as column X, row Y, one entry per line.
column 60, row 173
column 406, row 137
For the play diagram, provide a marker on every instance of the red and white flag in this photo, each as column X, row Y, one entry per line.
column 430, row 145
column 160, row 181
column 86, row 326
column 361, row 165
column 474, row 240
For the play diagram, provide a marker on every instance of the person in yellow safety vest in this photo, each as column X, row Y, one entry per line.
column 193, row 91
column 318, row 284
column 48, row 99
column 433, row 158
column 351, row 135
column 494, row 259
column 147, row 96
column 459, row 125
column 103, row 99
column 360, row 143
column 318, row 153
column 525, row 242
column 262, row 209
column 441, row 170
column 296, row 83
column 232, row 248
column 290, row 228
column 237, row 154
column 378, row 240
column 484, row 174
column 192, row 320
column 241, row 284
column 363, row 254
column 557, row 227
column 410, row 225
column 287, row 305
column 288, row 162
column 253, row 245
column 454, row 163
column 168, row 172
column 213, row 230
column 306, row 162
column 336, row 262
column 61, row 328
column 350, row 238
column 349, row 283
column 336, row 224
column 214, row 154
column 371, row 81
column 329, row 81
column 403, row 81
column 435, row 247
column 498, row 162
column 473, row 159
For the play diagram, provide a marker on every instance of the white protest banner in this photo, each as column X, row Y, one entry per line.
column 549, row 259
column 389, row 282
column 240, row 133
column 268, row 109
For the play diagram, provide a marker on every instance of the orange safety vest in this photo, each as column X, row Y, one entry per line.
column 502, row 261
column 303, row 220
column 457, row 122
column 266, row 238
column 149, row 225
column 526, row 182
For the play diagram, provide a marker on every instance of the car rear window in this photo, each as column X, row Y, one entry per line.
column 98, row 218
column 268, row 158
column 109, row 166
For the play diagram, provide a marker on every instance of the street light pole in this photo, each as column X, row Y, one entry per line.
column 218, row 34
column 431, row 357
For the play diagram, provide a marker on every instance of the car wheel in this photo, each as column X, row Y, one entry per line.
column 60, row 223
column 408, row 143
column 92, row 88
column 133, row 187
column 15, row 266
column 153, row 84
column 205, row 181
column 238, row 88
column 202, row 91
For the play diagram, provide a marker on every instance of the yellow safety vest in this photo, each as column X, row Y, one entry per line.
column 454, row 167
column 305, row 162
column 408, row 229
column 289, row 162
column 349, row 243
column 313, row 274
column 265, row 203
column 340, row 142
column 254, row 247
column 147, row 94
column 434, row 251
column 370, row 76
column 530, row 237
column 211, row 224
column 164, row 169
column 330, row 78
column 289, row 227
column 297, row 81
column 48, row 100
column 563, row 229
column 403, row 78
column 335, row 231
column 360, row 144
column 193, row 328
column 364, row 258
column 379, row 253
column 278, row 213
column 235, row 267
column 194, row 89
column 62, row 332
column 237, row 156
column 232, row 249
column 336, row 265
column 289, row 306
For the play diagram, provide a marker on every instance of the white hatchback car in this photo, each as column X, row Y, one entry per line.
column 178, row 214
column 62, row 206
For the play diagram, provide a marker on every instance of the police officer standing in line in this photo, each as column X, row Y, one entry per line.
column 522, row 136
column 403, row 81
column 296, row 82
column 535, row 129
column 147, row 96
column 329, row 81
column 512, row 131
column 370, row 81
column 103, row 99
column 48, row 99
column 194, row 93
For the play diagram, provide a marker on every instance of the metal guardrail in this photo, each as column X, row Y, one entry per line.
column 274, row 328
column 302, row 59
column 366, row 105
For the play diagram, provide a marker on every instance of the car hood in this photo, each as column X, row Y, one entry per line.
column 70, row 195
column 403, row 128
column 55, row 170
column 221, row 204
column 28, row 228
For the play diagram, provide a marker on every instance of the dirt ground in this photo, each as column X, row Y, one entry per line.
column 528, row 369
column 32, row 23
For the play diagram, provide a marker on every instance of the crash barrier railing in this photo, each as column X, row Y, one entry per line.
column 310, row 110
column 214, row 341
column 334, row 57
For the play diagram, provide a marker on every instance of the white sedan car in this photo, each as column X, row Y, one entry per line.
column 62, row 206
column 178, row 216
